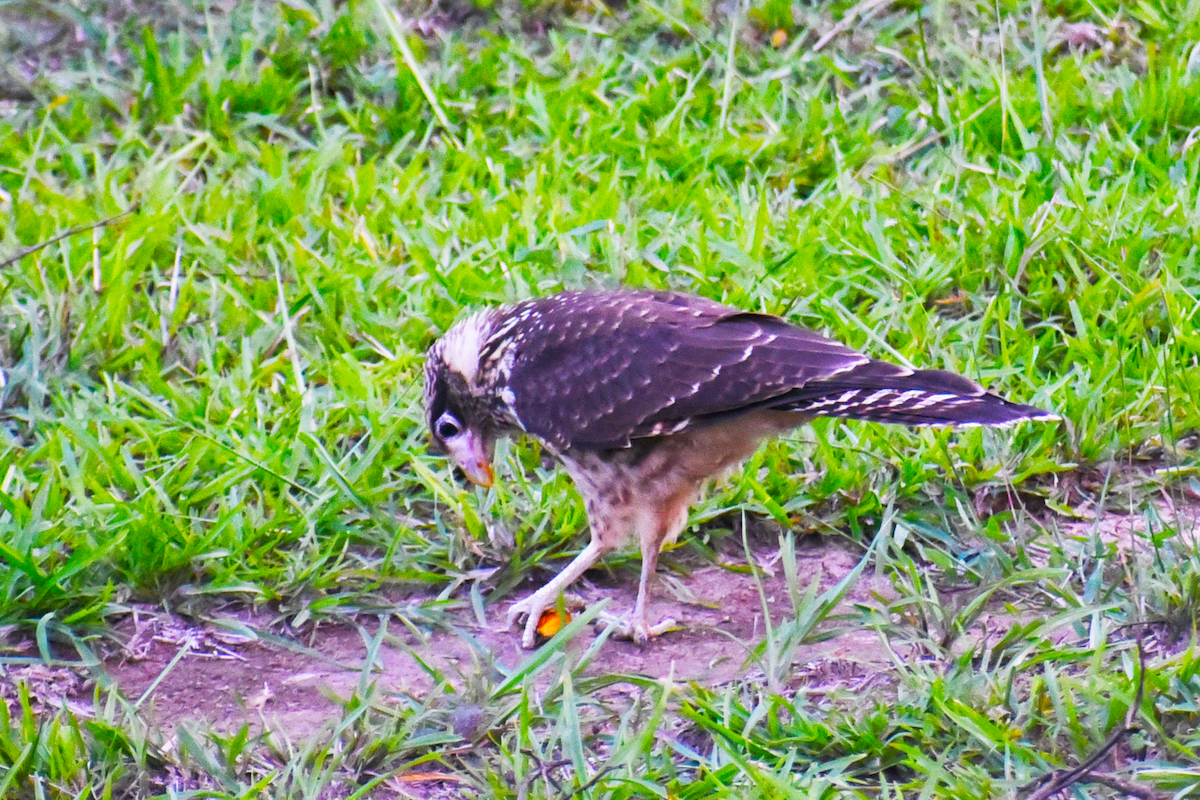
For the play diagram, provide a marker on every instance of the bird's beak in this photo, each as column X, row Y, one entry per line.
column 473, row 454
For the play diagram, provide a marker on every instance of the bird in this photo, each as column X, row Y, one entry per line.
column 645, row 395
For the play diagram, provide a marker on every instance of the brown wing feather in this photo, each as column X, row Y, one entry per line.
column 596, row 369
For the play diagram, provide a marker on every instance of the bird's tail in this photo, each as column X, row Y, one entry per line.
column 881, row 392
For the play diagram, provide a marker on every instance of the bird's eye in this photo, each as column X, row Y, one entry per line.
column 448, row 427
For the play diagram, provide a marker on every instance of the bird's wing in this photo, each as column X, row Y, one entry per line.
column 597, row 369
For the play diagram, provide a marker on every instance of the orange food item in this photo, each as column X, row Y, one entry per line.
column 551, row 623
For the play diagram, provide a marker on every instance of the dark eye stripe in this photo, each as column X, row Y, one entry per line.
column 436, row 392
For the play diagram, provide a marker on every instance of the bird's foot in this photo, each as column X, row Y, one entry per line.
column 638, row 631
column 531, row 610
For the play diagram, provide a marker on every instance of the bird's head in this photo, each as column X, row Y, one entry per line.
column 454, row 408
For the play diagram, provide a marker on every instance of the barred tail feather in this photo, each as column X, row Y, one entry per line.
column 883, row 392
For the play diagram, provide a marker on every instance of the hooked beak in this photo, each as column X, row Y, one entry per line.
column 474, row 457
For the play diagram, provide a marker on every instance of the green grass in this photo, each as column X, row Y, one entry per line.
column 215, row 397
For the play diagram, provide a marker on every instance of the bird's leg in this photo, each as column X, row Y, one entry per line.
column 640, row 629
column 637, row 625
column 533, row 606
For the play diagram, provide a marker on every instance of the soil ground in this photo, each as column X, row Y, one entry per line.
column 182, row 672
column 227, row 680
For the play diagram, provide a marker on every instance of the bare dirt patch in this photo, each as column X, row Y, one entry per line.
column 1134, row 532
column 218, row 679
column 212, row 677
